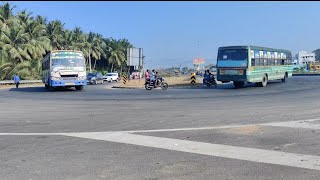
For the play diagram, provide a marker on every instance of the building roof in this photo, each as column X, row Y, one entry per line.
column 255, row 48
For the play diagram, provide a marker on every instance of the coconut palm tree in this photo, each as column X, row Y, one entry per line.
column 95, row 46
column 6, row 17
column 78, row 39
column 55, row 30
column 38, row 41
column 117, row 56
column 24, row 41
column 66, row 39
column 14, row 43
column 29, row 69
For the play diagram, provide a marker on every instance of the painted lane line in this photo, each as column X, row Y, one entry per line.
column 292, row 124
column 217, row 150
column 221, row 127
column 30, row 134
column 190, row 129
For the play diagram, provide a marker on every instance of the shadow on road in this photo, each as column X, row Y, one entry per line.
column 230, row 86
column 41, row 89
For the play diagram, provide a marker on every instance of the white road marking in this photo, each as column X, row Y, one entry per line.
column 30, row 134
column 217, row 150
column 296, row 124
column 284, row 124
column 191, row 129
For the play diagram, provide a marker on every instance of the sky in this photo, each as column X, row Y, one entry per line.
column 175, row 33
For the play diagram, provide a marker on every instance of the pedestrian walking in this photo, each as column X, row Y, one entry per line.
column 16, row 80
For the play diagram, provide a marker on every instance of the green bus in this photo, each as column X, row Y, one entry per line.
column 253, row 64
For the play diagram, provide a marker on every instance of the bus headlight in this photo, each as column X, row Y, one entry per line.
column 81, row 78
column 55, row 78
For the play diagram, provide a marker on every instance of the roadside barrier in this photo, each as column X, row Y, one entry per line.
column 124, row 77
column 193, row 78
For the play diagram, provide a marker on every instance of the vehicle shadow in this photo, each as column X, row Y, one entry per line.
column 230, row 86
column 41, row 89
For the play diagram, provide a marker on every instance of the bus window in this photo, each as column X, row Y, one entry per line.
column 265, row 62
column 252, row 62
column 272, row 61
column 269, row 62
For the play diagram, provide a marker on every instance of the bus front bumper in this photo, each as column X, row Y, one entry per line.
column 242, row 78
column 56, row 83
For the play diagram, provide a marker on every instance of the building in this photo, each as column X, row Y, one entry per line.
column 305, row 58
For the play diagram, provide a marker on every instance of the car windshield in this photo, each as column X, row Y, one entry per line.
column 92, row 74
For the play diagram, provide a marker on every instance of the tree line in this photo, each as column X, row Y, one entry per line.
column 25, row 39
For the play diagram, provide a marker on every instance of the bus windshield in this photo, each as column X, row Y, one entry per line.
column 68, row 62
column 67, row 59
column 232, row 58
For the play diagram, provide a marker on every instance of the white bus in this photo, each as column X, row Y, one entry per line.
column 64, row 68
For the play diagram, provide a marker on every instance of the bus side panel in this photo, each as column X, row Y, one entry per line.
column 46, row 69
column 275, row 72
column 257, row 73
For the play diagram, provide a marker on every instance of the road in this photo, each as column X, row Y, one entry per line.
column 103, row 133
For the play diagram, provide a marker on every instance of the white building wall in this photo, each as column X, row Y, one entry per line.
column 305, row 57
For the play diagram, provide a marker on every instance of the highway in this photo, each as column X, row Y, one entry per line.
column 181, row 133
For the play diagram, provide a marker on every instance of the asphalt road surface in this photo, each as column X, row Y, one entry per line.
column 202, row 133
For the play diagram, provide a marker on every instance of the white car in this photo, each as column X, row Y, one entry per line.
column 110, row 77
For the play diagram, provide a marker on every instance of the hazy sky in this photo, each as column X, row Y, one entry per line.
column 174, row 33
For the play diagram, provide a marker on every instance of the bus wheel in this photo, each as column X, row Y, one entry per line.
column 264, row 82
column 284, row 78
column 79, row 88
column 238, row 84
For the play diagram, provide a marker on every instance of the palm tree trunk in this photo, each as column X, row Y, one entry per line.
column 111, row 67
column 95, row 62
column 89, row 60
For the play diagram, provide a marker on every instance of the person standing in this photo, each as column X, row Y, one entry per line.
column 16, row 80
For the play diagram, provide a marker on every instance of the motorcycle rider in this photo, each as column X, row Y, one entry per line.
column 147, row 75
column 153, row 77
column 208, row 76
column 158, row 77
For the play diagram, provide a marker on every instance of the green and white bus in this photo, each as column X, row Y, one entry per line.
column 253, row 64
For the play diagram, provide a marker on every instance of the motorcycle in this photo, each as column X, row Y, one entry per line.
column 159, row 83
column 210, row 82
